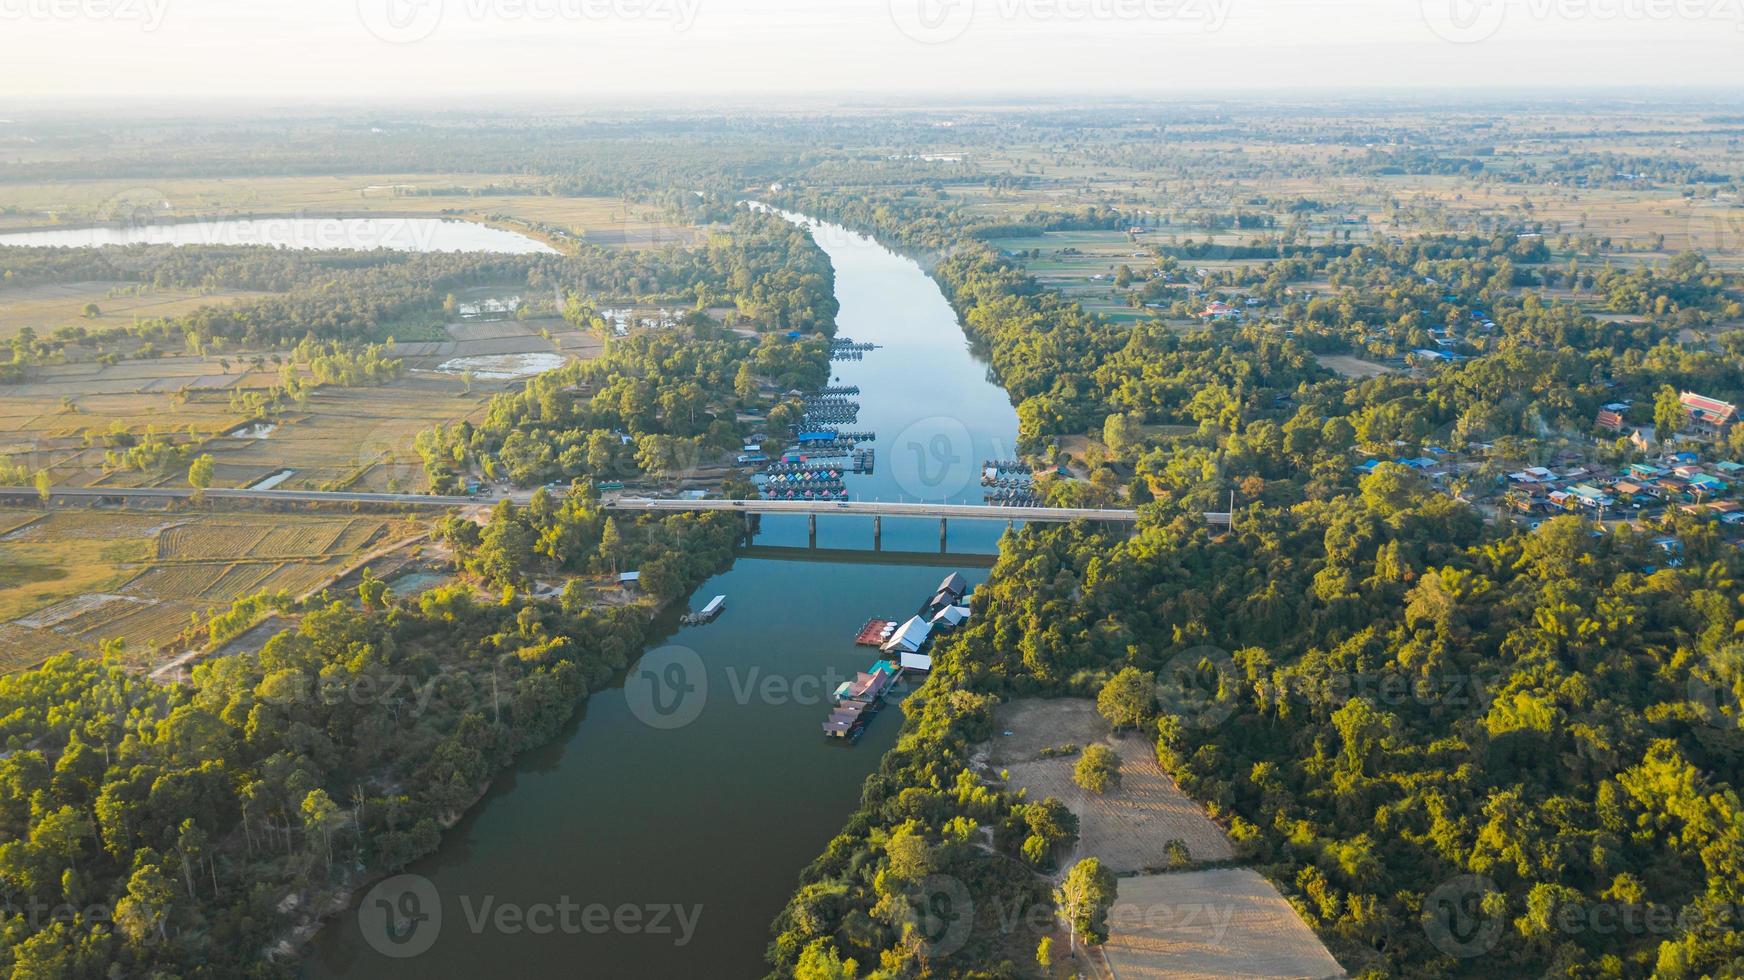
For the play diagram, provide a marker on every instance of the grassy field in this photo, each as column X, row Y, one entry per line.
column 73, row 578
column 504, row 197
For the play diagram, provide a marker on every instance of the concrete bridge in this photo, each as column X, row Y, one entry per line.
column 810, row 509
column 875, row 509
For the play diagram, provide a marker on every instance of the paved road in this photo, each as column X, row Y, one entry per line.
column 866, row 508
column 870, row 508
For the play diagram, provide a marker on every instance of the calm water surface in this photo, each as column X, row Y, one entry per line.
column 705, row 782
column 396, row 234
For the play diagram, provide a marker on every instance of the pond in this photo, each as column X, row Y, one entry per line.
column 397, row 234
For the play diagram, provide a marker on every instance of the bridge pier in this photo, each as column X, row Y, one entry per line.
column 941, row 535
column 752, row 523
column 811, row 530
column 877, row 532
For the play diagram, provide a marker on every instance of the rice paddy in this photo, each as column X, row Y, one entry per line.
column 70, row 580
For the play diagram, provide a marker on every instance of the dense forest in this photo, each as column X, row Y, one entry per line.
column 171, row 830
column 1402, row 694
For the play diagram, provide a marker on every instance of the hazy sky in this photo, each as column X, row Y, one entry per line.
column 375, row 50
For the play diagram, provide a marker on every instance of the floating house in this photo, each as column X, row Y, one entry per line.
column 910, row 637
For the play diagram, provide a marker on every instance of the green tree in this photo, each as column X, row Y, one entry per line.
column 1084, row 899
column 200, row 471
column 145, row 909
column 820, row 961
column 1128, row 699
column 1097, row 769
column 1667, row 413
column 745, row 381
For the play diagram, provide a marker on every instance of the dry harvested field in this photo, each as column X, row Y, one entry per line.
column 1220, row 924
column 340, row 438
column 1127, row 828
column 510, row 199
column 1352, row 367
column 74, row 578
column 47, row 307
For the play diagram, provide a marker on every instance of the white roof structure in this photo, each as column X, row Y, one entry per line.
column 951, row 616
column 917, row 661
column 910, row 636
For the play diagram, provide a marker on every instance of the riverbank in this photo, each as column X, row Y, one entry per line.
column 587, row 818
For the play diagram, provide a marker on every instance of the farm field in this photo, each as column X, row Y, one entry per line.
column 1128, row 827
column 508, row 198
column 338, row 438
column 1352, row 367
column 48, row 307
column 1069, row 261
column 1218, row 924
column 73, row 578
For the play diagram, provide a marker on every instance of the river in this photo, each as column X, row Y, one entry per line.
column 696, row 790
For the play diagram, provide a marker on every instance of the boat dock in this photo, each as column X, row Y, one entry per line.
column 856, row 701
column 706, row 614
column 875, row 632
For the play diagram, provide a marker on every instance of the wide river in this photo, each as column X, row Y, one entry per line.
column 699, row 787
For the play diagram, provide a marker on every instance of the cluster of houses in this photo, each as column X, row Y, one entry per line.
column 946, row 610
column 1681, row 477
column 1704, row 419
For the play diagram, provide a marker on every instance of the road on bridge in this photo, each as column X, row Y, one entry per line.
column 871, row 508
column 867, row 508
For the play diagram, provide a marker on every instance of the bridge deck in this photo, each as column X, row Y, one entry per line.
column 863, row 508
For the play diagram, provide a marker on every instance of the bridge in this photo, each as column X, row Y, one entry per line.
column 864, row 508
column 875, row 509
column 878, row 508
column 810, row 509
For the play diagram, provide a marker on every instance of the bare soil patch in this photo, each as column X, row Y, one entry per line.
column 1210, row 925
column 1129, row 827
